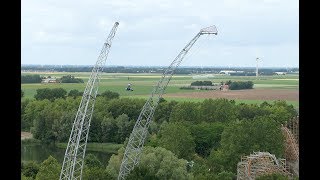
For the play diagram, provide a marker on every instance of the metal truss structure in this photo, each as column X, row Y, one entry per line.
column 261, row 163
column 139, row 133
column 293, row 126
column 290, row 132
column 75, row 152
column 291, row 146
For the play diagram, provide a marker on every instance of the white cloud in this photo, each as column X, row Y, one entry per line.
column 159, row 29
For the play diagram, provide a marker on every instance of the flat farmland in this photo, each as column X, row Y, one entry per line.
column 266, row 88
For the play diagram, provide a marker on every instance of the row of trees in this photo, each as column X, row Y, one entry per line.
column 155, row 69
column 70, row 79
column 236, row 85
column 211, row 135
column 156, row 163
column 51, row 168
column 50, row 94
column 201, row 83
column 31, row 79
column 109, row 108
column 56, row 93
column 37, row 79
column 233, row 85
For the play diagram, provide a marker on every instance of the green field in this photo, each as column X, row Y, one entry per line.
column 143, row 84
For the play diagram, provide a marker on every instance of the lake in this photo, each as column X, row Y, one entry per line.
column 40, row 152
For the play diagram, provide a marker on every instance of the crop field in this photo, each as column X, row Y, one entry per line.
column 266, row 88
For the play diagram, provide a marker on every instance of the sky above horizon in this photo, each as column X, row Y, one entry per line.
column 152, row 33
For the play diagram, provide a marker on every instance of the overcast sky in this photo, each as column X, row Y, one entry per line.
column 153, row 32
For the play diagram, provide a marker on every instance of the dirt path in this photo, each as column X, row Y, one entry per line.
column 250, row 94
column 25, row 135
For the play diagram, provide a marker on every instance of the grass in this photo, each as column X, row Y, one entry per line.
column 247, row 101
column 98, row 147
column 143, row 83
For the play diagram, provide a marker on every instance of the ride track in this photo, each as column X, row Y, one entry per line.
column 74, row 156
column 137, row 138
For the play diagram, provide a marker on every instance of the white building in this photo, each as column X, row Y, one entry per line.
column 280, row 73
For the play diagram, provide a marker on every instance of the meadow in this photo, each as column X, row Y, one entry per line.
column 143, row 84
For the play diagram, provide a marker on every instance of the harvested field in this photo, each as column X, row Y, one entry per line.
column 249, row 94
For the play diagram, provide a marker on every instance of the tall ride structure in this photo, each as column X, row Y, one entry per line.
column 257, row 73
column 139, row 133
column 75, row 152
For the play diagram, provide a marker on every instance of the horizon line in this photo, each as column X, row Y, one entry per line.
column 161, row 66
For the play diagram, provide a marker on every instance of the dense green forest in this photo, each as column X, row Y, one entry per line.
column 212, row 134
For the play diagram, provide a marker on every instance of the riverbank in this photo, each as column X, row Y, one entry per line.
column 98, row 147
column 26, row 137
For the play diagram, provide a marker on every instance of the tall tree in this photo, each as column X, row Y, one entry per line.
column 131, row 107
column 30, row 169
column 26, row 124
column 31, row 79
column 164, row 110
column 75, row 93
column 93, row 169
column 109, row 130
column 49, row 169
column 50, row 94
column 207, row 136
column 125, row 127
column 185, row 111
column 218, row 110
column 92, row 161
column 110, row 94
column 243, row 137
column 177, row 138
column 155, row 163
column 114, row 163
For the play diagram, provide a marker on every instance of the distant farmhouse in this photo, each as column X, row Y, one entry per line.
column 280, row 73
column 227, row 72
column 49, row 80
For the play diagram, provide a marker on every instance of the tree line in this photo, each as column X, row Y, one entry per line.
column 31, row 79
column 36, row 78
column 237, row 85
column 211, row 135
column 154, row 69
column 201, row 83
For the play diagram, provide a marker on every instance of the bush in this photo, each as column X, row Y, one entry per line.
column 75, row 93
column 201, row 83
column 70, row 79
column 240, row 85
column 30, row 79
column 30, row 169
column 50, row 94
column 110, row 94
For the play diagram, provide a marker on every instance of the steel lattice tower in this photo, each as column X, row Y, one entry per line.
column 75, row 152
column 137, row 137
